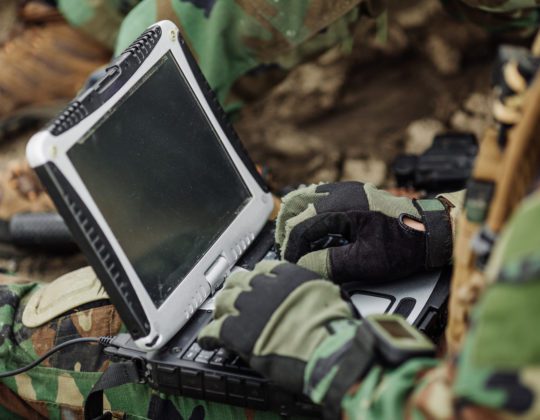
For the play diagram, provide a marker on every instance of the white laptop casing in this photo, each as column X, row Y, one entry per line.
column 150, row 326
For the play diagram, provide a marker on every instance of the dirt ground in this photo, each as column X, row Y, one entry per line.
column 348, row 113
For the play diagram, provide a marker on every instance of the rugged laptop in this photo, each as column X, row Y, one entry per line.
column 162, row 198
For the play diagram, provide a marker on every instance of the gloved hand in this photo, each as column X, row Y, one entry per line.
column 275, row 317
column 351, row 231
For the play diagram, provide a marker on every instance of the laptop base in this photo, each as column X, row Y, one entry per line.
column 183, row 368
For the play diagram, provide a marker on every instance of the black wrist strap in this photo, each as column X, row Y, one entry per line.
column 116, row 374
column 353, row 366
column 438, row 232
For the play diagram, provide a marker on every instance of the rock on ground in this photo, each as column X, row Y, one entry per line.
column 364, row 170
column 420, row 134
column 474, row 116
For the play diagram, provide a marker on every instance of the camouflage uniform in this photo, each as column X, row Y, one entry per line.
column 497, row 371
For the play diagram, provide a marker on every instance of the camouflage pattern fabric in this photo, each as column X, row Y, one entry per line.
column 520, row 16
column 57, row 389
column 100, row 19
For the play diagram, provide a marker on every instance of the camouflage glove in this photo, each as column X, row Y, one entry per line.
column 354, row 232
column 275, row 317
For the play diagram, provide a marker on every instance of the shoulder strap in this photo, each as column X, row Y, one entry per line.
column 116, row 374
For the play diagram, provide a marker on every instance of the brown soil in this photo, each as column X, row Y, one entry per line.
column 428, row 68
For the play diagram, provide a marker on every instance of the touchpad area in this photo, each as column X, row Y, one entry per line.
column 370, row 303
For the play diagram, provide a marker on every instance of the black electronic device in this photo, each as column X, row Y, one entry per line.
column 396, row 341
column 445, row 166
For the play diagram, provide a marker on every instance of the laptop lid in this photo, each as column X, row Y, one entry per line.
column 154, row 184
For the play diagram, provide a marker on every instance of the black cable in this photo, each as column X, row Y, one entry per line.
column 104, row 341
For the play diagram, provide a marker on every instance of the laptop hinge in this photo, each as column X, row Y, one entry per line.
column 216, row 273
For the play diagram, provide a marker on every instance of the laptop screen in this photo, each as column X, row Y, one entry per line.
column 161, row 177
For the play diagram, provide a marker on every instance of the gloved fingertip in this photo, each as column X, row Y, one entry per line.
column 317, row 261
column 208, row 343
column 208, row 337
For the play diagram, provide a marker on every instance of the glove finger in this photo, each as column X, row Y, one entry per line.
column 317, row 261
column 383, row 249
column 266, row 267
column 388, row 204
column 309, row 213
column 238, row 279
column 293, row 204
column 225, row 302
column 209, row 336
column 240, row 282
column 317, row 232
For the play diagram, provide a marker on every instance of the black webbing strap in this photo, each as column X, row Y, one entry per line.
column 438, row 232
column 117, row 374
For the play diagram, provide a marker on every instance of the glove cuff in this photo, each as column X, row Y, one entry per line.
column 438, row 232
column 341, row 360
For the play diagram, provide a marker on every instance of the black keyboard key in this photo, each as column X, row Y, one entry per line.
column 256, row 395
column 223, row 352
column 195, row 347
column 191, row 381
column 192, row 352
column 205, row 356
column 190, row 355
column 235, row 387
column 218, row 360
column 168, row 376
column 271, row 255
column 232, row 362
column 214, row 384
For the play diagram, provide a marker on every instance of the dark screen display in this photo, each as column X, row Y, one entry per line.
column 161, row 178
column 395, row 329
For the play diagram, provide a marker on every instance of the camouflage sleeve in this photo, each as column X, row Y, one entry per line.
column 521, row 16
column 496, row 375
column 229, row 38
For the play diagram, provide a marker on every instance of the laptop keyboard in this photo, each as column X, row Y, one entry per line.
column 220, row 357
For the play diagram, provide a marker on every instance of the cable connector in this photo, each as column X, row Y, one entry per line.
column 106, row 341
